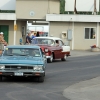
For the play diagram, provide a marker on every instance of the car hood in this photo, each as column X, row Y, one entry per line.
column 21, row 60
column 44, row 46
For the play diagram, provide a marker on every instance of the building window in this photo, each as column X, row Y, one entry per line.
column 90, row 33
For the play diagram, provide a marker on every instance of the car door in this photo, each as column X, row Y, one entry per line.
column 58, row 49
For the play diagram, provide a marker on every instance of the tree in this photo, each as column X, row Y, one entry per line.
column 62, row 6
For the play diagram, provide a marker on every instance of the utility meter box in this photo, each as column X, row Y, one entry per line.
column 69, row 35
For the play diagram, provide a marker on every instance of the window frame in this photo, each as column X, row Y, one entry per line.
column 89, row 33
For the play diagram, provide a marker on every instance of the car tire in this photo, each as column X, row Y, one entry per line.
column 50, row 60
column 64, row 58
column 41, row 79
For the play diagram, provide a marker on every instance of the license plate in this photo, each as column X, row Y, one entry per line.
column 18, row 74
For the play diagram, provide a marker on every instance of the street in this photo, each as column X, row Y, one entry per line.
column 59, row 76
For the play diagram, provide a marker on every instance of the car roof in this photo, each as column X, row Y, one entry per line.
column 23, row 46
column 54, row 38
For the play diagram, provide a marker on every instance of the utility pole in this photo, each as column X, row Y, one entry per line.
column 95, row 10
column 75, row 10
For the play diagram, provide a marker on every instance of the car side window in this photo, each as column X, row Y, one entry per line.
column 56, row 42
column 41, row 51
column 61, row 43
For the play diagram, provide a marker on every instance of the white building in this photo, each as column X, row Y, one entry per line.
column 82, row 28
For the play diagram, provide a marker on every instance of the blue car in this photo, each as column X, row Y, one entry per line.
column 23, row 60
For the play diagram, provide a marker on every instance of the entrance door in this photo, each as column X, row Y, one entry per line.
column 5, row 30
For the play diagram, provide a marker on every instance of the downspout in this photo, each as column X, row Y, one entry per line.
column 97, row 36
column 73, row 35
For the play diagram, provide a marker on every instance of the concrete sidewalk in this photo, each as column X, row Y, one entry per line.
column 77, row 53
column 85, row 90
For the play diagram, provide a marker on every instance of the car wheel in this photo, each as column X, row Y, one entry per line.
column 41, row 79
column 64, row 58
column 50, row 60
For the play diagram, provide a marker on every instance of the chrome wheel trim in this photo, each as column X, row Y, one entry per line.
column 51, row 58
column 65, row 57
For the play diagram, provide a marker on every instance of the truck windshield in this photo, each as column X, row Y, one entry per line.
column 21, row 52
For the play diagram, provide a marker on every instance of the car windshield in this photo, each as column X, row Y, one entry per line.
column 43, row 41
column 21, row 52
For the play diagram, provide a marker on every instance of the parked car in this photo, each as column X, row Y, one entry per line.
column 23, row 60
column 53, row 47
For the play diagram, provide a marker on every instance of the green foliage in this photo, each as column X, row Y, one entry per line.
column 62, row 6
column 7, row 11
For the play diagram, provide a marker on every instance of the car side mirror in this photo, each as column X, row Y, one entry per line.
column 43, row 54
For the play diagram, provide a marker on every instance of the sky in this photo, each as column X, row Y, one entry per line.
column 7, row 4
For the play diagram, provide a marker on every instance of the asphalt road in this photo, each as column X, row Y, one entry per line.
column 59, row 76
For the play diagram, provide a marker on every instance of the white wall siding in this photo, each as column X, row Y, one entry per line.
column 7, row 16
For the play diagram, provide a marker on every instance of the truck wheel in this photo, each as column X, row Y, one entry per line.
column 41, row 79
column 50, row 60
column 64, row 58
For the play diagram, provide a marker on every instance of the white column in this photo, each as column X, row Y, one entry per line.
column 97, row 36
column 72, row 35
column 49, row 29
column 14, row 33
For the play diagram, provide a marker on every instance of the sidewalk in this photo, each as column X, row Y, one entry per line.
column 85, row 90
column 77, row 53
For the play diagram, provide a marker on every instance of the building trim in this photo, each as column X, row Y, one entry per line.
column 97, row 34
column 7, row 16
column 72, row 18
column 73, row 36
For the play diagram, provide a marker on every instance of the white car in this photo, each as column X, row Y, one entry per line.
column 53, row 48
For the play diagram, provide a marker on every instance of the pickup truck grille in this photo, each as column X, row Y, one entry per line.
column 18, row 67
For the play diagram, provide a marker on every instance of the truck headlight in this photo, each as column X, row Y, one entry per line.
column 2, row 67
column 38, row 68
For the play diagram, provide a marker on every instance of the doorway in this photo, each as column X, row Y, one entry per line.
column 5, row 30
